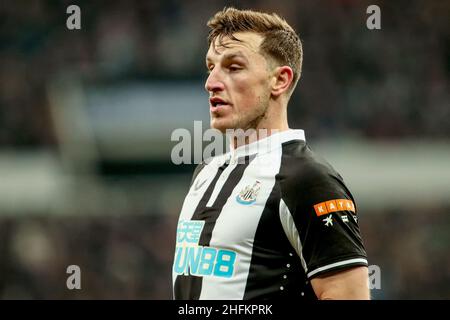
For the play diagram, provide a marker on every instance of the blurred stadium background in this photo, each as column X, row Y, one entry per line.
column 86, row 118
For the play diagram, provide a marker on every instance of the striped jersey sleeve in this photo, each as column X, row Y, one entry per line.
column 319, row 215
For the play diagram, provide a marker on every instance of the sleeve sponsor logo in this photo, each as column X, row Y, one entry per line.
column 334, row 206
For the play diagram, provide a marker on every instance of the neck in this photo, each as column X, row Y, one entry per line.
column 271, row 123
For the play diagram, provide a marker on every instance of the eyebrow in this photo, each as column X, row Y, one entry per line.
column 230, row 56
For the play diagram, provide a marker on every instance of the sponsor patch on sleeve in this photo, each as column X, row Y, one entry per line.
column 333, row 206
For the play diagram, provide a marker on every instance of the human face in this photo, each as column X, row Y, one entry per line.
column 238, row 82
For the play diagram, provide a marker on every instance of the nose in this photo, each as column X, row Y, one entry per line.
column 214, row 83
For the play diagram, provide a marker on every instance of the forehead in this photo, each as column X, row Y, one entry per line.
column 248, row 45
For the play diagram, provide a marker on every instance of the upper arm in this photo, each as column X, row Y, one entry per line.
column 349, row 284
column 320, row 220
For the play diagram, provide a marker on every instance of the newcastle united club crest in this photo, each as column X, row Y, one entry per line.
column 248, row 194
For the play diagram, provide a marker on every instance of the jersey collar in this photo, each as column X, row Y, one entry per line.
column 267, row 144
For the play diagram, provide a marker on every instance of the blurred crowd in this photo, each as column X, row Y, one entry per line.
column 130, row 256
column 382, row 84
column 119, row 257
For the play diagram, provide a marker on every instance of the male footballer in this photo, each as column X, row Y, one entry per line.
column 270, row 219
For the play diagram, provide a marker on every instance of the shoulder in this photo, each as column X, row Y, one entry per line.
column 197, row 170
column 210, row 164
column 306, row 176
column 301, row 165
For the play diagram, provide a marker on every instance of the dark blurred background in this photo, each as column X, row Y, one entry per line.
column 86, row 118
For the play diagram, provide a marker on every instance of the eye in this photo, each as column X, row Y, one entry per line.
column 234, row 68
column 209, row 69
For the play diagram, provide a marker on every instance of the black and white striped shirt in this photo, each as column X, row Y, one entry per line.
column 262, row 221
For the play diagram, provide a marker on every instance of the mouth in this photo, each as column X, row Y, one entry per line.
column 216, row 104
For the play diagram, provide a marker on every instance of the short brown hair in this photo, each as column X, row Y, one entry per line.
column 280, row 42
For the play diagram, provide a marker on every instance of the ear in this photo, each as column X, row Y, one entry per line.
column 282, row 79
